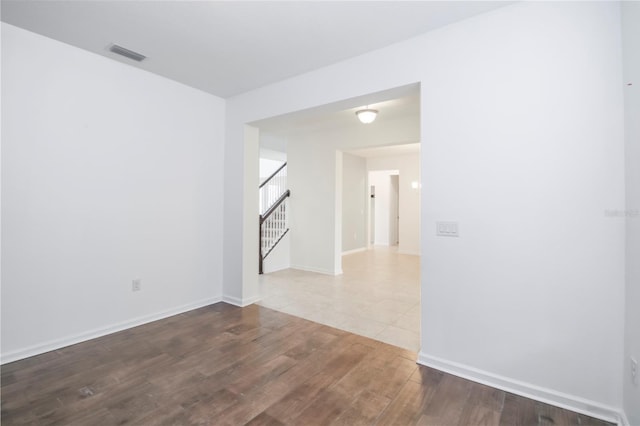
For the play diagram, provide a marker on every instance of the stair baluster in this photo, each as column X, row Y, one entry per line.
column 273, row 218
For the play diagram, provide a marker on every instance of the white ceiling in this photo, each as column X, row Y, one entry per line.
column 226, row 48
column 391, row 104
column 398, row 103
column 387, row 151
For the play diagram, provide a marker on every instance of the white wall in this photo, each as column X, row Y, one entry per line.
column 109, row 173
column 408, row 167
column 354, row 202
column 394, row 210
column 527, row 160
column 522, row 143
column 280, row 257
column 268, row 167
column 312, row 179
column 273, row 146
column 631, row 45
column 315, row 190
column 247, row 294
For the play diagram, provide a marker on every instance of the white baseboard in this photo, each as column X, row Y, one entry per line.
column 316, row 270
column 267, row 270
column 240, row 302
column 548, row 396
column 624, row 421
column 358, row 250
column 99, row 332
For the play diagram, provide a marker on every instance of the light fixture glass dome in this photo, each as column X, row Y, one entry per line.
column 367, row 115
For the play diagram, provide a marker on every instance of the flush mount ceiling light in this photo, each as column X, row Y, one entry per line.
column 367, row 115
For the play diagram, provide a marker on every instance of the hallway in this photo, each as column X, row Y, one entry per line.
column 377, row 296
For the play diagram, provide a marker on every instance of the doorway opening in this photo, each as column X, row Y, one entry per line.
column 345, row 269
column 384, row 207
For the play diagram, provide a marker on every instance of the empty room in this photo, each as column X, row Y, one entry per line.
column 131, row 137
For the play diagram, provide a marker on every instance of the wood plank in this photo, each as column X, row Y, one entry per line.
column 263, row 419
column 340, row 399
column 483, row 407
column 408, row 405
column 227, row 365
column 300, row 397
column 205, row 406
column 448, row 402
column 518, row 411
column 395, row 373
column 364, row 410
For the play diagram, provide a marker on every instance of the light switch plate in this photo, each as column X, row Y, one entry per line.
column 447, row 229
column 136, row 285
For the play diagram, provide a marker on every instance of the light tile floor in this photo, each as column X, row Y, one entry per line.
column 377, row 296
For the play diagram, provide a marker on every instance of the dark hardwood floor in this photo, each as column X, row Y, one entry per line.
column 223, row 365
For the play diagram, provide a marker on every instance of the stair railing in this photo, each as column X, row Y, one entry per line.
column 272, row 188
column 273, row 213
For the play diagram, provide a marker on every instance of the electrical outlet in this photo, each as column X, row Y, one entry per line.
column 634, row 370
column 136, row 285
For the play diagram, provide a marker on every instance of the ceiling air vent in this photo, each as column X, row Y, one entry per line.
column 127, row 53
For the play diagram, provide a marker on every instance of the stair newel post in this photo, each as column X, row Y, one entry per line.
column 260, row 258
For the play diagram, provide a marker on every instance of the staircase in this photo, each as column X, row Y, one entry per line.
column 273, row 212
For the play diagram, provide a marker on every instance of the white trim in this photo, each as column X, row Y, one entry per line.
column 317, row 270
column 236, row 301
column 624, row 421
column 103, row 331
column 358, row 250
column 548, row 396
